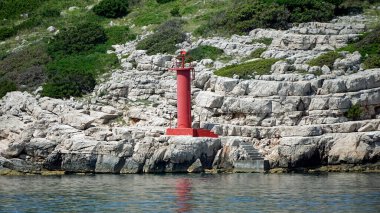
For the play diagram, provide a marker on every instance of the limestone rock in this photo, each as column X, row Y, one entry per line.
column 77, row 120
column 196, row 167
column 209, row 100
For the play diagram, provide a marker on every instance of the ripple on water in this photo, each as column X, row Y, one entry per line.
column 192, row 193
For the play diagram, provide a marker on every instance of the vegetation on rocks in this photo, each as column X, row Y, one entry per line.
column 327, row 59
column 79, row 57
column 242, row 16
column 164, row 39
column 355, row 112
column 25, row 68
column 203, row 52
column 79, row 38
column 247, row 70
column 257, row 53
column 369, row 47
column 6, row 86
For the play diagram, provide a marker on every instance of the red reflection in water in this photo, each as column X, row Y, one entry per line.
column 183, row 191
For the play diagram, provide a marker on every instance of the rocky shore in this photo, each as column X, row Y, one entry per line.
column 292, row 119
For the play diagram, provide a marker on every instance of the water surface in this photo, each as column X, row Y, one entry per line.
column 340, row 192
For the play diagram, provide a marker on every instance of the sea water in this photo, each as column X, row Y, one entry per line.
column 333, row 192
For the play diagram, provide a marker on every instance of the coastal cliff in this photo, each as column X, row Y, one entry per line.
column 296, row 116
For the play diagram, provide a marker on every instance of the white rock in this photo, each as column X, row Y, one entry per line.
column 209, row 100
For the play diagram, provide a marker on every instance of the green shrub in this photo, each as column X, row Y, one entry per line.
column 6, row 86
column 247, row 70
column 348, row 7
column 6, row 32
column 203, row 52
column 119, row 34
column 309, row 10
column 372, row 61
column 48, row 13
column 66, row 85
column 112, row 8
column 370, row 43
column 164, row 1
column 80, row 38
column 175, row 12
column 94, row 64
column 29, row 23
column 13, row 8
column 257, row 53
column 164, row 39
column 354, row 112
column 248, row 15
column 327, row 59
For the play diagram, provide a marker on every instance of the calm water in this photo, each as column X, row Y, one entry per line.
column 192, row 193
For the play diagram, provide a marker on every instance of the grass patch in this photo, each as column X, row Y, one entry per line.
column 371, row 62
column 247, row 70
column 26, row 68
column 327, row 59
column 257, row 53
column 266, row 41
column 203, row 52
column 119, row 34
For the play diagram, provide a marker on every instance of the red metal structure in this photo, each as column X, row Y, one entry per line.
column 184, row 103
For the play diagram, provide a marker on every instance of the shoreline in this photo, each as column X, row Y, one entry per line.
column 343, row 168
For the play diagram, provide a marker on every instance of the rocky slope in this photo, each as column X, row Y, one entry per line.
column 293, row 119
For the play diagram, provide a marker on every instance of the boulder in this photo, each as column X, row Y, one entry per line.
column 77, row 120
column 196, row 167
column 40, row 147
column 209, row 100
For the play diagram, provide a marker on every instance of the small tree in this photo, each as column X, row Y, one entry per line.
column 82, row 37
column 112, row 8
column 355, row 112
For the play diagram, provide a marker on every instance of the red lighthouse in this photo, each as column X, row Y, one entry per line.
column 184, row 103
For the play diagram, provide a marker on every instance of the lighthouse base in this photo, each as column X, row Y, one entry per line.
column 191, row 132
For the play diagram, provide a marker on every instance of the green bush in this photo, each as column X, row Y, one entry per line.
column 370, row 43
column 13, row 8
column 372, row 61
column 119, row 34
column 354, row 112
column 6, row 32
column 247, row 70
column 175, row 12
column 6, row 86
column 79, row 38
column 94, row 64
column 203, row 52
column 66, row 85
column 257, row 53
column 81, row 67
column 309, row 10
column 244, row 15
column 112, row 8
column 164, row 39
column 164, row 1
column 248, row 15
column 49, row 12
column 327, row 59
column 29, row 23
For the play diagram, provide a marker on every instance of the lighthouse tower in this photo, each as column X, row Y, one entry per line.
column 184, row 103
